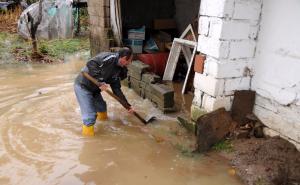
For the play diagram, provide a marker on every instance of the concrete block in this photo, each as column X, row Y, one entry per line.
column 162, row 102
column 242, row 49
column 234, row 84
column 217, row 8
column 228, row 29
column 279, row 122
column 197, row 100
column 247, row 9
column 253, row 33
column 265, row 103
column 163, row 92
column 213, row 47
column 209, row 84
column 228, row 68
column 135, row 85
column 126, row 82
column 203, row 25
column 138, row 66
column 150, row 78
column 210, row 103
column 136, row 69
column 284, row 96
column 134, row 74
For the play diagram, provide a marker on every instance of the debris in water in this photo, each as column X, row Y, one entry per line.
column 110, row 149
column 231, row 172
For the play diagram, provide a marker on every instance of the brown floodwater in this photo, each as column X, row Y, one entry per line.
column 41, row 142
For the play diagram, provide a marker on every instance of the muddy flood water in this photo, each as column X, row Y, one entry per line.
column 41, row 141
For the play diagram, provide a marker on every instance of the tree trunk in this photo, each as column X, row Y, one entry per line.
column 34, row 27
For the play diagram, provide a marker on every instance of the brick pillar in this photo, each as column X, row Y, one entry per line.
column 227, row 35
column 100, row 31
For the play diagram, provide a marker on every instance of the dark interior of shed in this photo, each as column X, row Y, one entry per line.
column 163, row 20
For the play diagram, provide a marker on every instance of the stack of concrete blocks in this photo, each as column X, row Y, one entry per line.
column 227, row 36
column 149, row 86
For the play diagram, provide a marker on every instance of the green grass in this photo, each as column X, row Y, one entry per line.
column 56, row 49
column 59, row 48
column 225, row 145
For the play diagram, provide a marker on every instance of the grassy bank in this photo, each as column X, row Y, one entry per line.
column 15, row 48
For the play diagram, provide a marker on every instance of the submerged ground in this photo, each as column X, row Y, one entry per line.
column 41, row 140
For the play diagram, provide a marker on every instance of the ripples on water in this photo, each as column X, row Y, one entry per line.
column 41, row 142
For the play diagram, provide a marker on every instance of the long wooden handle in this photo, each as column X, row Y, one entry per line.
column 125, row 105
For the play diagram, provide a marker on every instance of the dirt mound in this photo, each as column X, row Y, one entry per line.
column 267, row 161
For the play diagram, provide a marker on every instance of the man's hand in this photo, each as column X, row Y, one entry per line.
column 130, row 110
column 103, row 87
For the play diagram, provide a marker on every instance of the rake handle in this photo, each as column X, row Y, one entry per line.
column 125, row 105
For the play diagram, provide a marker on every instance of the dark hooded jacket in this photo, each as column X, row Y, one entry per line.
column 104, row 68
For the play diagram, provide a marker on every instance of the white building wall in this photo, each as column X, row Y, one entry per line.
column 252, row 44
column 277, row 68
column 227, row 36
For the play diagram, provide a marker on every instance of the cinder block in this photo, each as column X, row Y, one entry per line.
column 254, row 27
column 162, row 102
column 150, row 78
column 210, row 103
column 242, row 49
column 197, row 100
column 138, row 66
column 162, row 91
column 217, row 8
column 228, row 68
column 247, row 9
column 203, row 25
column 209, row 84
column 234, row 84
column 135, row 85
column 126, row 82
column 229, row 29
column 135, row 74
column 213, row 47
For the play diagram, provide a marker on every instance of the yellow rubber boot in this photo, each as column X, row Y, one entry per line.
column 102, row 116
column 88, row 130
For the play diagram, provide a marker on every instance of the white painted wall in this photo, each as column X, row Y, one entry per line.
column 277, row 67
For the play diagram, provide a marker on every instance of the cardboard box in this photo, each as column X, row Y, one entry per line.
column 137, row 34
column 136, row 45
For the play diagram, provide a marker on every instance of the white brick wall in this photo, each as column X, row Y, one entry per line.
column 198, row 97
column 213, row 47
column 209, row 84
column 210, row 103
column 229, row 29
column 285, row 120
column 217, row 8
column 234, row 84
column 228, row 68
column 247, row 9
column 203, row 25
column 242, row 49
